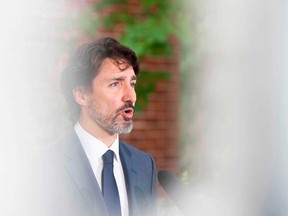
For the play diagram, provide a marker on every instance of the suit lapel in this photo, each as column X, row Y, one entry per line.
column 82, row 175
column 131, row 178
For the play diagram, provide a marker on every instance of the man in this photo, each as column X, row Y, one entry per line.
column 99, row 85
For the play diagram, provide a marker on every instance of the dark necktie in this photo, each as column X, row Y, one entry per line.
column 109, row 186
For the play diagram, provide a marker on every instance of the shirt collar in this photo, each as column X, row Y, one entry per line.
column 93, row 147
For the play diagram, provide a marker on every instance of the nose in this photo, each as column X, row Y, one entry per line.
column 129, row 94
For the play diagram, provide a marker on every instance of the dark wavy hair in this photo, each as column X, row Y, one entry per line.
column 86, row 63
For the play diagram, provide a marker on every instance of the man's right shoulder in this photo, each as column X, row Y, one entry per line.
column 61, row 143
column 69, row 136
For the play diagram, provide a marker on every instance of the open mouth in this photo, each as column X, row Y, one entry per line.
column 128, row 113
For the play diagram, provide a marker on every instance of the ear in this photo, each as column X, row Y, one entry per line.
column 80, row 95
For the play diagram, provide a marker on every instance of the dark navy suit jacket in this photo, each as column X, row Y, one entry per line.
column 68, row 185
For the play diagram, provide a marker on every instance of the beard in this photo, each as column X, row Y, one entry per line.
column 112, row 123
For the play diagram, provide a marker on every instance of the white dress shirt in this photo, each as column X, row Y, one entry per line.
column 94, row 150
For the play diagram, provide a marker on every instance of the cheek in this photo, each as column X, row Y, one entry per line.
column 107, row 103
column 111, row 101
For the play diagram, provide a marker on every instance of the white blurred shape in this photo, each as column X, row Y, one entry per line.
column 25, row 40
column 244, row 100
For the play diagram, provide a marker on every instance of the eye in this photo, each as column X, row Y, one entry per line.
column 114, row 84
column 133, row 85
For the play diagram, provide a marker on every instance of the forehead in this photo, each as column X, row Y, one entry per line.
column 110, row 67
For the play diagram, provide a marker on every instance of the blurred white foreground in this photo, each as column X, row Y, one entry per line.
column 242, row 151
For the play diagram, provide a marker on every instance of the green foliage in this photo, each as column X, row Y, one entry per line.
column 146, row 32
column 104, row 3
column 88, row 21
column 146, row 84
column 147, row 38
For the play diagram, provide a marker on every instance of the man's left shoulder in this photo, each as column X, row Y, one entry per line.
column 129, row 149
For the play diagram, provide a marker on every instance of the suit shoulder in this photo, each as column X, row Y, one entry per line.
column 61, row 142
column 135, row 151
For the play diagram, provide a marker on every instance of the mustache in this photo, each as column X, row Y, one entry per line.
column 127, row 104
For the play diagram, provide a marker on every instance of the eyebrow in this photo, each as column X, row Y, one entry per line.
column 121, row 78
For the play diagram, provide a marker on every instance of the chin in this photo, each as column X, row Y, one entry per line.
column 124, row 128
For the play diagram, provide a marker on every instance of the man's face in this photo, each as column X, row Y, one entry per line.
column 111, row 101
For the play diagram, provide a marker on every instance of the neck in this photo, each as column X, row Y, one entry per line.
column 96, row 131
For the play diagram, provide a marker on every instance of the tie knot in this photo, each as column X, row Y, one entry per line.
column 108, row 157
